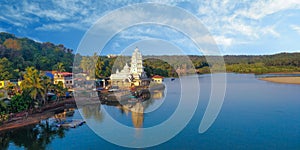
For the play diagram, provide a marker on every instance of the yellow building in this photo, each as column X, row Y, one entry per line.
column 66, row 78
column 16, row 82
column 157, row 79
column 2, row 84
column 19, row 83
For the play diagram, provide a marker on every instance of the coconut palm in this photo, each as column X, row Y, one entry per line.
column 11, row 89
column 33, row 84
column 59, row 67
column 99, row 68
column 3, row 106
column 59, row 90
column 48, row 85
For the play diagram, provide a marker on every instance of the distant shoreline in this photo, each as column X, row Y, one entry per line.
column 284, row 73
column 283, row 80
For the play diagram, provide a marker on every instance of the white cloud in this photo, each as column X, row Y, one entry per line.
column 232, row 22
column 50, row 27
column 296, row 28
column 270, row 30
column 54, row 14
column 222, row 40
column 2, row 30
column 229, row 22
column 260, row 9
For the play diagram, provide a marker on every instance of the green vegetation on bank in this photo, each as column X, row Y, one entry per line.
column 33, row 94
column 23, row 58
column 16, row 54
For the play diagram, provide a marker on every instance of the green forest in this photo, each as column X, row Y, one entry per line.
column 17, row 54
column 26, row 59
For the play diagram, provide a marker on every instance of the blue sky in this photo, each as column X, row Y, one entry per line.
column 238, row 27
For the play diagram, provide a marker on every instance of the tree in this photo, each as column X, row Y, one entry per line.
column 11, row 89
column 59, row 67
column 12, row 44
column 59, row 90
column 88, row 65
column 6, row 69
column 99, row 68
column 33, row 85
column 48, row 85
column 3, row 106
column 84, row 64
column 20, row 102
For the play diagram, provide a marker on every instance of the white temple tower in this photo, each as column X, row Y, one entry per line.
column 134, row 74
column 136, row 68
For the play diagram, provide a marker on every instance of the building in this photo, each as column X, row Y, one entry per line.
column 157, row 79
column 82, row 76
column 112, row 56
column 122, row 78
column 66, row 78
column 16, row 82
column 2, row 84
column 133, row 75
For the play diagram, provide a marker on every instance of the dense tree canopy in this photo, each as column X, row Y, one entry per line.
column 16, row 54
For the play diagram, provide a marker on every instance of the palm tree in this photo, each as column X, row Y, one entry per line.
column 84, row 63
column 33, row 85
column 59, row 67
column 48, row 85
column 3, row 106
column 99, row 68
column 11, row 89
column 59, row 90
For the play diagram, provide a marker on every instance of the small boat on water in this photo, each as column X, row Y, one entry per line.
column 172, row 79
column 70, row 112
column 132, row 100
column 70, row 123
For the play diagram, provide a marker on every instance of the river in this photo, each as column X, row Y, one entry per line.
column 255, row 115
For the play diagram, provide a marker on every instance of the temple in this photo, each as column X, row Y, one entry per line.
column 133, row 75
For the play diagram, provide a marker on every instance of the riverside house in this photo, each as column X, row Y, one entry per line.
column 66, row 78
column 157, row 79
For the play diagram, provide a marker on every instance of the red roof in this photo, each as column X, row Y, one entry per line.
column 64, row 73
column 157, row 76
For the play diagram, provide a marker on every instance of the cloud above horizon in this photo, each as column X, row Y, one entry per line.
column 231, row 23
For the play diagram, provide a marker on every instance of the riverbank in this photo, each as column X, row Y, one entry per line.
column 47, row 112
column 284, row 80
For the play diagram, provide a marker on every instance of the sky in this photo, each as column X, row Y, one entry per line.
column 237, row 27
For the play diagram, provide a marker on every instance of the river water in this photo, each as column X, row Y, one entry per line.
column 255, row 115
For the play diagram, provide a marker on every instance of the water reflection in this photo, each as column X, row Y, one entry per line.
column 137, row 106
column 32, row 137
column 41, row 135
column 93, row 112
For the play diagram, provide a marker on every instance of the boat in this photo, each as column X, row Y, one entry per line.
column 132, row 100
column 70, row 113
column 172, row 79
column 70, row 123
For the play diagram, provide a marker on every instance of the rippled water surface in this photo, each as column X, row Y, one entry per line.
column 255, row 115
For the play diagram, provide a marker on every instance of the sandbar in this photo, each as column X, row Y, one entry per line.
column 286, row 80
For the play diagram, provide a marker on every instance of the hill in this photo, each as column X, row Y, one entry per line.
column 18, row 53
